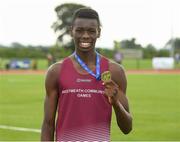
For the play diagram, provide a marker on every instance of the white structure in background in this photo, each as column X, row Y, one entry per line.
column 163, row 63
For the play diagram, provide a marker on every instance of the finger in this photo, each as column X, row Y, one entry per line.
column 107, row 82
column 110, row 100
column 115, row 92
column 108, row 92
column 111, row 83
column 114, row 83
column 108, row 86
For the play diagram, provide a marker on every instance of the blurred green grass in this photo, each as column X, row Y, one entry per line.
column 127, row 63
column 154, row 103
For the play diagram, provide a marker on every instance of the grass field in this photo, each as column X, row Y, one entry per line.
column 154, row 103
column 127, row 63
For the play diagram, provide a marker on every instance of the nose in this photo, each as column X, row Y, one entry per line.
column 85, row 34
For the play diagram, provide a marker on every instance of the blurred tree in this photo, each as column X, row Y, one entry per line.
column 61, row 26
column 163, row 53
column 149, row 51
column 131, row 44
column 105, row 52
column 173, row 43
column 17, row 45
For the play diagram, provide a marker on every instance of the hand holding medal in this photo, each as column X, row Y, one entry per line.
column 111, row 88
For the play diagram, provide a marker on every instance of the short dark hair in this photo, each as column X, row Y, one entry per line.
column 86, row 12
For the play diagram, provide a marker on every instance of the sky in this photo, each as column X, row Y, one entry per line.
column 149, row 21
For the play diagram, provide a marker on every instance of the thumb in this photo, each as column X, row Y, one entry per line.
column 110, row 100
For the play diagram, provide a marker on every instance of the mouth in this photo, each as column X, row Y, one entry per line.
column 85, row 44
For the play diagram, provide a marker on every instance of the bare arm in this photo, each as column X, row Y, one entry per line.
column 50, row 103
column 116, row 90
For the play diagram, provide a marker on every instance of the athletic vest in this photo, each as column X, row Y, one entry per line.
column 84, row 113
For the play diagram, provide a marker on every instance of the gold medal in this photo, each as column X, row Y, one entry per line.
column 106, row 76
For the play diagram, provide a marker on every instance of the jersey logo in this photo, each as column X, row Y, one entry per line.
column 78, row 80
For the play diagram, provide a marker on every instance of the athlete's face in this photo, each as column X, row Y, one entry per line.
column 84, row 33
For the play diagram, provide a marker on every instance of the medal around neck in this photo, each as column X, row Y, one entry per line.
column 106, row 76
column 85, row 67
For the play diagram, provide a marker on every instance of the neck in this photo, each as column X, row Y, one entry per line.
column 87, row 57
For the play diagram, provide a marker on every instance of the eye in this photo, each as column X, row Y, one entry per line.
column 92, row 31
column 78, row 30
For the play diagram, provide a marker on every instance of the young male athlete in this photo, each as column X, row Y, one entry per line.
column 77, row 90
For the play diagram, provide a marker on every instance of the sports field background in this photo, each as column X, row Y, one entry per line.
column 154, row 103
column 128, row 64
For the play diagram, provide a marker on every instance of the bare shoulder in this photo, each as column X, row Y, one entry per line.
column 54, row 68
column 118, row 74
column 52, row 73
column 116, row 69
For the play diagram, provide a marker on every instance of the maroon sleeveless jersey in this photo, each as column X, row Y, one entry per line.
column 84, row 113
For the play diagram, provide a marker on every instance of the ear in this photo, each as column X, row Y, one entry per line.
column 99, row 32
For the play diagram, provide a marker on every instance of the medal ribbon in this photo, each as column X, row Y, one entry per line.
column 85, row 67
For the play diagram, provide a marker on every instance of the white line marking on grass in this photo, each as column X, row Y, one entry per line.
column 20, row 129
